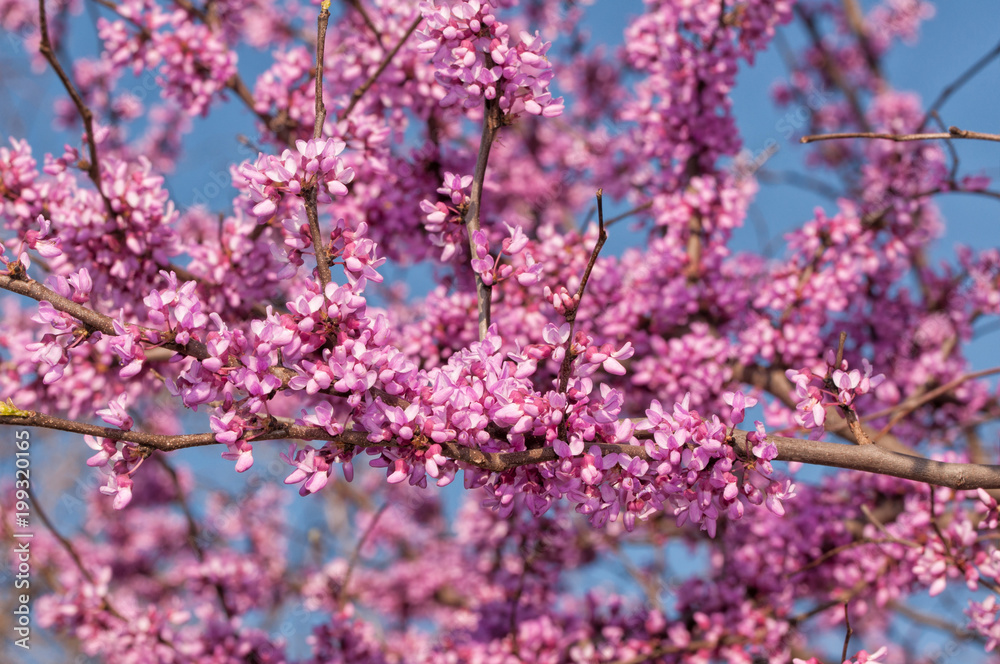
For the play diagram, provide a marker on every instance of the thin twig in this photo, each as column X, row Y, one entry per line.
column 800, row 180
column 830, row 68
column 358, row 93
column 322, row 22
column 319, row 247
column 903, row 409
column 356, row 554
column 492, row 121
column 277, row 125
column 935, row 622
column 68, row 546
column 859, row 587
column 602, row 237
column 94, row 167
column 953, row 132
column 840, row 348
column 356, row 4
column 847, row 633
column 567, row 363
column 816, row 562
column 515, row 602
column 625, row 215
column 856, row 21
column 71, row 550
column 63, row 541
column 953, row 173
column 192, row 528
column 312, row 194
column 959, row 82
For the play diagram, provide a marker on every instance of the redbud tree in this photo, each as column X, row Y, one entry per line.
column 787, row 454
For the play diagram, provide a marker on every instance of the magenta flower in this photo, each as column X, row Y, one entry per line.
column 115, row 413
column 740, row 403
column 120, row 486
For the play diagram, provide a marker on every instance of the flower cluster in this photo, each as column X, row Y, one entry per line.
column 444, row 222
column 120, row 463
column 475, row 59
column 493, row 271
column 178, row 308
column 863, row 657
column 194, row 63
column 314, row 163
column 836, row 386
column 710, row 479
column 51, row 354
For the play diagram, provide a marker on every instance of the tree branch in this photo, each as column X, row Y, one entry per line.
column 94, row 167
column 91, row 318
column 953, row 132
column 356, row 4
column 235, row 83
column 909, row 405
column 867, row 458
column 625, row 215
column 958, row 83
column 360, row 92
column 322, row 22
column 602, row 236
column 492, row 121
column 342, row 595
column 831, row 69
column 105, row 324
column 312, row 194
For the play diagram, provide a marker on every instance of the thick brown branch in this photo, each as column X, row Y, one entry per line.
column 89, row 317
column 868, row 458
column 105, row 324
